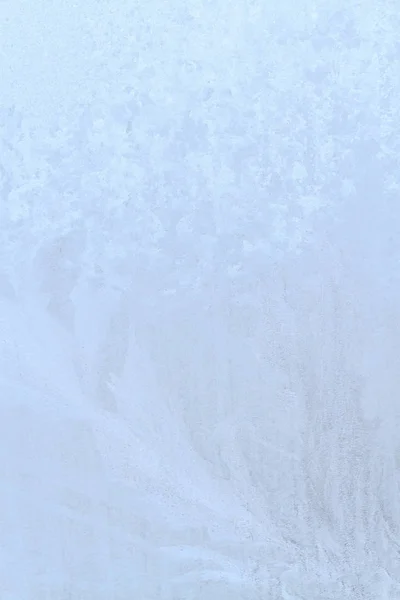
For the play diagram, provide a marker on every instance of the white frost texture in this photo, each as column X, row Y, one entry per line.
column 199, row 300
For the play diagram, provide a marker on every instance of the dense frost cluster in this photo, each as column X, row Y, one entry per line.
column 199, row 290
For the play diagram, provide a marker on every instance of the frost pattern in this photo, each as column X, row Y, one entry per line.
column 199, row 285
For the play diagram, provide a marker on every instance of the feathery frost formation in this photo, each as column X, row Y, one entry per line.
column 199, row 286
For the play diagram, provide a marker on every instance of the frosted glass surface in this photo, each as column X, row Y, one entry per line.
column 199, row 291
